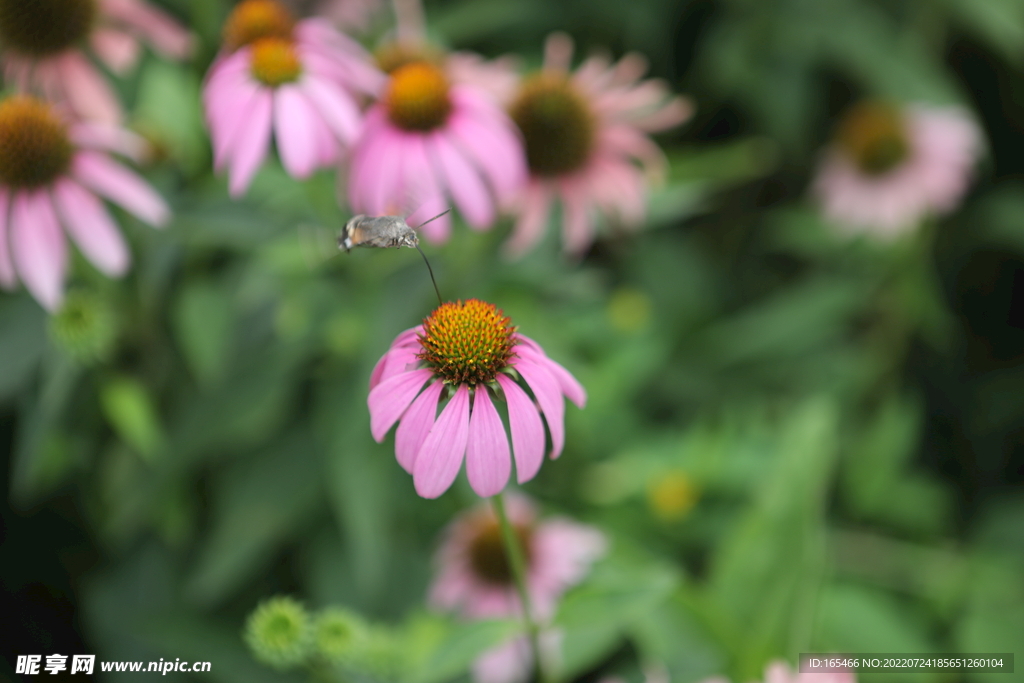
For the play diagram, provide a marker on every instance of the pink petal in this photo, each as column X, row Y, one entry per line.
column 251, row 147
column 487, row 456
column 337, row 109
column 549, row 396
column 418, row 169
column 39, row 249
column 7, row 277
column 533, row 218
column 86, row 90
column 389, row 399
column 415, row 425
column 109, row 138
column 463, row 181
column 566, row 382
column 92, row 228
column 294, row 127
column 494, row 148
column 165, row 34
column 121, row 186
column 117, row 49
column 577, row 228
column 527, row 429
column 438, row 462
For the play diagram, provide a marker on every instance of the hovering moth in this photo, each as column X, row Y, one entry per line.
column 381, row 231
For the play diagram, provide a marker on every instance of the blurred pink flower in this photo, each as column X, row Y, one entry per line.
column 295, row 79
column 350, row 14
column 467, row 352
column 583, row 133
column 890, row 167
column 474, row 577
column 433, row 136
column 41, row 48
column 50, row 175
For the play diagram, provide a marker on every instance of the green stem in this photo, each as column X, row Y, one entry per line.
column 518, row 566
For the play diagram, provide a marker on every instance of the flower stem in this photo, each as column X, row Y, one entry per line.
column 518, row 566
column 410, row 21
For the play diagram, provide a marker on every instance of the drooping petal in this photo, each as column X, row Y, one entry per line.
column 338, row 110
column 163, row 32
column 389, row 399
column 463, row 181
column 294, row 128
column 38, row 247
column 121, row 186
column 419, row 170
column 577, row 226
column 7, row 277
column 108, row 138
column 439, row 459
column 527, row 429
column 86, row 90
column 251, row 147
column 549, row 396
column 566, row 382
column 415, row 425
column 118, row 50
column 497, row 152
column 92, row 228
column 533, row 218
column 487, row 455
column 226, row 115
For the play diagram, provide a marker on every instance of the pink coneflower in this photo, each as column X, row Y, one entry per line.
column 470, row 353
column 41, row 47
column 50, row 174
column 474, row 575
column 512, row 661
column 890, row 167
column 583, row 133
column 295, row 79
column 430, row 137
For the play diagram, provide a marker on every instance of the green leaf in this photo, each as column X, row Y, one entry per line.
column 203, row 325
column 459, row 648
column 22, row 340
column 129, row 409
column 258, row 503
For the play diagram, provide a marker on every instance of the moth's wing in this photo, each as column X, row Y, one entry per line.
column 428, row 207
column 317, row 243
column 379, row 231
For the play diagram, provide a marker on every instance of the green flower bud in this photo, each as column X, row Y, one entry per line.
column 85, row 327
column 340, row 635
column 279, row 633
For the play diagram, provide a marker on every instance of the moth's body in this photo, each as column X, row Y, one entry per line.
column 377, row 231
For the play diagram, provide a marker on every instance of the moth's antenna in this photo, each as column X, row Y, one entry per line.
column 431, row 271
column 432, row 219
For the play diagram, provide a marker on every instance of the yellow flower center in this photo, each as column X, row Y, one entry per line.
column 45, row 27
column 558, row 125
column 467, row 343
column 274, row 61
column 252, row 20
column 874, row 135
column 34, row 144
column 487, row 554
column 417, row 97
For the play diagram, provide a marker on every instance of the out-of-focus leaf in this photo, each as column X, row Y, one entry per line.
column 670, row 634
column 999, row 22
column 472, row 20
column 168, row 112
column 22, row 340
column 461, row 645
column 761, row 592
column 853, row 618
column 203, row 323
column 130, row 410
column 258, row 503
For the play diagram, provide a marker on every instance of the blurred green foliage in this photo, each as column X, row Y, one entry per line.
column 783, row 377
